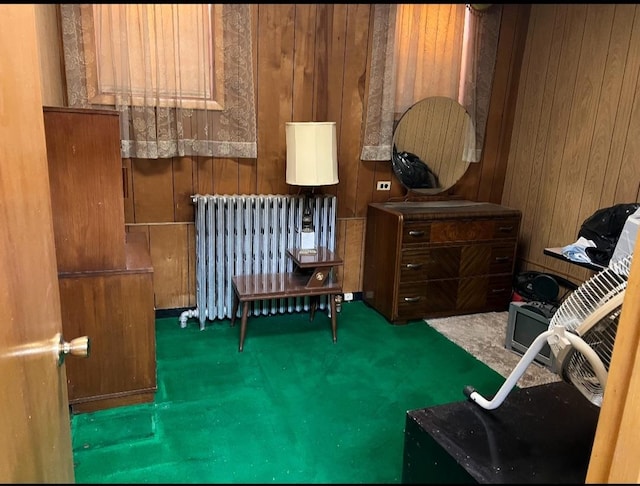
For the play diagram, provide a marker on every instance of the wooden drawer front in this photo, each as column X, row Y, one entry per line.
column 415, row 233
column 482, row 294
column 461, row 230
column 502, row 259
column 486, row 259
column 429, row 263
column 499, row 292
column 506, row 228
column 415, row 301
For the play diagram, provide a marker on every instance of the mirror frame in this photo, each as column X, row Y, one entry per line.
column 436, row 131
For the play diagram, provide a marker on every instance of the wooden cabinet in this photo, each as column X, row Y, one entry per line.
column 105, row 274
column 439, row 258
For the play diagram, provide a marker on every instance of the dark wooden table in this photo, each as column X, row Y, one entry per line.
column 313, row 276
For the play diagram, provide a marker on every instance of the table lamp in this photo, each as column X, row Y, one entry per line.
column 312, row 160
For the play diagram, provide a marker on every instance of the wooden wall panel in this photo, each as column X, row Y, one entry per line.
column 225, row 176
column 353, row 254
column 585, row 92
column 604, row 125
column 630, row 59
column 153, row 190
column 276, row 31
column 304, row 75
column 574, row 146
column 170, row 264
column 183, row 184
column 355, row 62
column 330, row 84
column 311, row 62
column 204, row 175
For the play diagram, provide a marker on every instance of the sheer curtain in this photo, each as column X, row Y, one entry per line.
column 429, row 50
column 181, row 76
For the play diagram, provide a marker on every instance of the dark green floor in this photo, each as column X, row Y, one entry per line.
column 292, row 408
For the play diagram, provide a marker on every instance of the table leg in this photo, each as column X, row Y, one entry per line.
column 236, row 302
column 243, row 323
column 313, row 304
column 334, row 317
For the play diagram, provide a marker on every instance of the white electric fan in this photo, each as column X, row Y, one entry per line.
column 581, row 334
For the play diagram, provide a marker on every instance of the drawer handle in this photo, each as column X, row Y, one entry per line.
column 411, row 299
column 498, row 291
column 502, row 259
column 413, row 266
column 416, row 233
column 505, row 229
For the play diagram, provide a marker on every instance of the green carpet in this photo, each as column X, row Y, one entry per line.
column 293, row 407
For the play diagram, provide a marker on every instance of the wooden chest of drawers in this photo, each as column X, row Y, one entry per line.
column 439, row 258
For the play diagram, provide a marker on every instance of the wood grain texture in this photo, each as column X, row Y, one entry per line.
column 614, row 457
column 183, row 182
column 574, row 147
column 153, row 190
column 118, row 316
column 311, row 62
column 85, row 176
column 276, row 31
column 171, row 264
column 353, row 254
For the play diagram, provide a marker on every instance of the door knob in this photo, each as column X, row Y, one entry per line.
column 80, row 346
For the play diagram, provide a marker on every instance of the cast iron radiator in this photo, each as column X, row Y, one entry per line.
column 246, row 235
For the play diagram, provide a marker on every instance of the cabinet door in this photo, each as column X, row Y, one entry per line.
column 117, row 312
column 87, row 200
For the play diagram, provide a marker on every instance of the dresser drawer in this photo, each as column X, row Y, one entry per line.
column 415, row 233
column 455, row 261
column 419, row 300
column 429, row 263
column 506, row 228
column 473, row 230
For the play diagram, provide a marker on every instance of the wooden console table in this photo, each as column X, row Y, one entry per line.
column 313, row 277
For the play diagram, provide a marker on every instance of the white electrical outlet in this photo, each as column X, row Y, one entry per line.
column 384, row 185
column 348, row 296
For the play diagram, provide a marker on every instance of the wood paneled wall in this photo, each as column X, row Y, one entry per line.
column 311, row 64
column 575, row 145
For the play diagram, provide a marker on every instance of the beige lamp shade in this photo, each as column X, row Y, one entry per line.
column 312, row 153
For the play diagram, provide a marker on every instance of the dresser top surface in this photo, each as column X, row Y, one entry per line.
column 445, row 209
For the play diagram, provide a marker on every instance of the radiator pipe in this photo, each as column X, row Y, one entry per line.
column 186, row 315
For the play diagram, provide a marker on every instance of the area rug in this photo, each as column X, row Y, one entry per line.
column 483, row 336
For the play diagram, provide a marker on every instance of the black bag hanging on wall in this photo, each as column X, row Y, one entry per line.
column 604, row 228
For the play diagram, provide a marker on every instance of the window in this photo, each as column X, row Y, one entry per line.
column 158, row 54
column 181, row 75
column 429, row 50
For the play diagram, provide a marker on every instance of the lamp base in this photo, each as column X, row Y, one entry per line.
column 307, row 242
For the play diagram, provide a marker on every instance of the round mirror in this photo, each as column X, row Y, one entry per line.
column 429, row 144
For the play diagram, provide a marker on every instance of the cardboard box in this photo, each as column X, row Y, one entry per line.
column 627, row 241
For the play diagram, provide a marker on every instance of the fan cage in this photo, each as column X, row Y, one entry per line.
column 600, row 334
column 578, row 370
